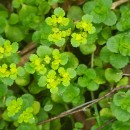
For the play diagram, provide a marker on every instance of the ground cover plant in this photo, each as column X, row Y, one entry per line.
column 64, row 64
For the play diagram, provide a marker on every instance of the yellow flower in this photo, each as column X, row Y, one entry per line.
column 47, row 59
column 14, row 106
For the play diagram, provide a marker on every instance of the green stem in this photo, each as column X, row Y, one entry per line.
column 92, row 95
column 72, row 119
column 23, row 89
column 96, row 110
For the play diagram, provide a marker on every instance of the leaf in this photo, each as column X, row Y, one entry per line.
column 8, row 81
column 43, row 51
column 42, row 81
column 3, row 90
column 105, row 54
column 14, row 33
column 120, row 114
column 44, row 7
column 29, row 68
column 88, row 18
column 42, row 115
column 118, row 98
column 113, row 43
column 81, row 69
column 55, row 124
column 68, row 96
column 106, row 112
column 36, row 107
column 72, row 61
column 78, row 125
column 75, row 13
column 90, row 73
column 88, row 7
column 119, row 125
column 123, row 82
column 14, row 18
column 28, row 100
column 63, row 58
column 123, row 23
column 16, row 3
column 92, row 86
column 60, row 42
column 25, row 10
column 113, row 75
column 27, row 127
column 48, row 106
column 100, row 78
column 110, row 19
column 83, row 81
column 34, row 88
column 72, row 72
column 21, row 71
column 87, row 48
column 14, row 47
column 105, row 102
column 2, row 24
column 118, row 61
column 59, row 12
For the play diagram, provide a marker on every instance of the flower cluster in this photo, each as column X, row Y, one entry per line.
column 8, row 71
column 14, row 107
column 84, row 27
column 26, row 116
column 6, row 48
column 54, row 71
column 57, row 21
column 37, row 65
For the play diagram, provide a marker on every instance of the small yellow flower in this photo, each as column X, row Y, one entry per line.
column 14, row 106
column 47, row 59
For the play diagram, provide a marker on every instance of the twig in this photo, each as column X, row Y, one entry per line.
column 84, row 106
column 118, row 3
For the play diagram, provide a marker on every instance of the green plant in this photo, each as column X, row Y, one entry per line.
column 61, row 57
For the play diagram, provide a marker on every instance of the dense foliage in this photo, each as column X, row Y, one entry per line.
column 56, row 55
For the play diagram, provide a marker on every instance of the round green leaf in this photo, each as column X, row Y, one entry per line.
column 92, row 86
column 88, row 7
column 36, row 107
column 42, row 81
column 81, row 69
column 72, row 72
column 113, row 44
column 118, row 97
column 83, row 81
column 75, row 13
column 68, row 96
column 44, row 50
column 3, row 90
column 27, row 127
column 118, row 61
column 105, row 54
column 59, row 12
column 14, row 18
column 113, row 75
column 111, row 18
column 48, row 106
column 14, row 33
column 119, row 113
column 87, row 48
column 90, row 73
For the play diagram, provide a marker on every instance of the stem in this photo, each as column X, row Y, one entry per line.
column 96, row 110
column 92, row 95
column 72, row 120
column 23, row 89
